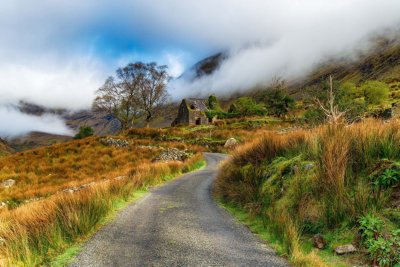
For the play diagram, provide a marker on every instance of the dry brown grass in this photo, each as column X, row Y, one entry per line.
column 36, row 232
column 45, row 171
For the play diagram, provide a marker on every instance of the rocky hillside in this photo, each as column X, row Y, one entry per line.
column 204, row 67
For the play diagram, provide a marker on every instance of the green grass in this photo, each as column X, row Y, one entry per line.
column 256, row 226
column 261, row 228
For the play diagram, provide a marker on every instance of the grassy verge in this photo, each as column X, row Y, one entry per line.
column 262, row 229
column 70, row 252
column 37, row 233
column 341, row 182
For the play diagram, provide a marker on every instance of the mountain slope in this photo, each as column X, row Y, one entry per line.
column 5, row 149
column 36, row 139
column 381, row 62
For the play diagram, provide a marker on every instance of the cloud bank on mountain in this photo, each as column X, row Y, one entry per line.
column 57, row 53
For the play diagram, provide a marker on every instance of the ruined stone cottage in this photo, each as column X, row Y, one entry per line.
column 192, row 111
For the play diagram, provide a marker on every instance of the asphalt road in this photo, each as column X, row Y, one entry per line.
column 177, row 224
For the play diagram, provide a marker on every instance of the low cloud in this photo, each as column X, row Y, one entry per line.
column 287, row 39
column 15, row 123
column 57, row 53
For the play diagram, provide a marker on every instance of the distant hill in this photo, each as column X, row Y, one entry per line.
column 204, row 67
column 36, row 139
column 101, row 122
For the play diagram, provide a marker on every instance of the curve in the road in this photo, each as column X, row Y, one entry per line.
column 177, row 224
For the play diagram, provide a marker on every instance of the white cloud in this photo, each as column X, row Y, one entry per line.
column 283, row 38
column 14, row 123
column 57, row 53
column 175, row 65
column 51, row 83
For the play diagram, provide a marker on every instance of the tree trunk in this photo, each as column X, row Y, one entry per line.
column 148, row 119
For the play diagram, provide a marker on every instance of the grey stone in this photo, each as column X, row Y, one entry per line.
column 319, row 241
column 171, row 154
column 119, row 178
column 231, row 143
column 120, row 143
column 345, row 249
column 8, row 183
column 309, row 166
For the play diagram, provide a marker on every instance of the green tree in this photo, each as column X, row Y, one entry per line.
column 375, row 92
column 213, row 103
column 351, row 99
column 247, row 106
column 84, row 131
column 278, row 102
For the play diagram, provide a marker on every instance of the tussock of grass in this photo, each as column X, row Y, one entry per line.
column 316, row 181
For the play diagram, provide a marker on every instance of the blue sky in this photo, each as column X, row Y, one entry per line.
column 57, row 53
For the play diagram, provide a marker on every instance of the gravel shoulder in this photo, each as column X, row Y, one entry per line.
column 177, row 224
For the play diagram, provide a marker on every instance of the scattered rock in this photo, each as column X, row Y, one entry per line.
column 319, row 241
column 70, row 190
column 149, row 147
column 231, row 143
column 121, row 143
column 8, row 183
column 3, row 205
column 345, row 249
column 171, row 154
column 76, row 189
column 119, row 178
column 309, row 166
column 32, row 199
column 295, row 168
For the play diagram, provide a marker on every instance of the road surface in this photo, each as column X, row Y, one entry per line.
column 177, row 224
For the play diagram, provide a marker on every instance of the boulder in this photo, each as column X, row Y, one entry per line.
column 231, row 143
column 309, row 166
column 319, row 241
column 8, row 183
column 345, row 249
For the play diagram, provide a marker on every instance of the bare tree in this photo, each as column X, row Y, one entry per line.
column 330, row 109
column 140, row 88
column 153, row 92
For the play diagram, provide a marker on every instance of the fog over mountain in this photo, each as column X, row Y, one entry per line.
column 289, row 38
column 15, row 123
column 57, row 53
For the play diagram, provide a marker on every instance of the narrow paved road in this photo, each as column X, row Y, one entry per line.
column 177, row 224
